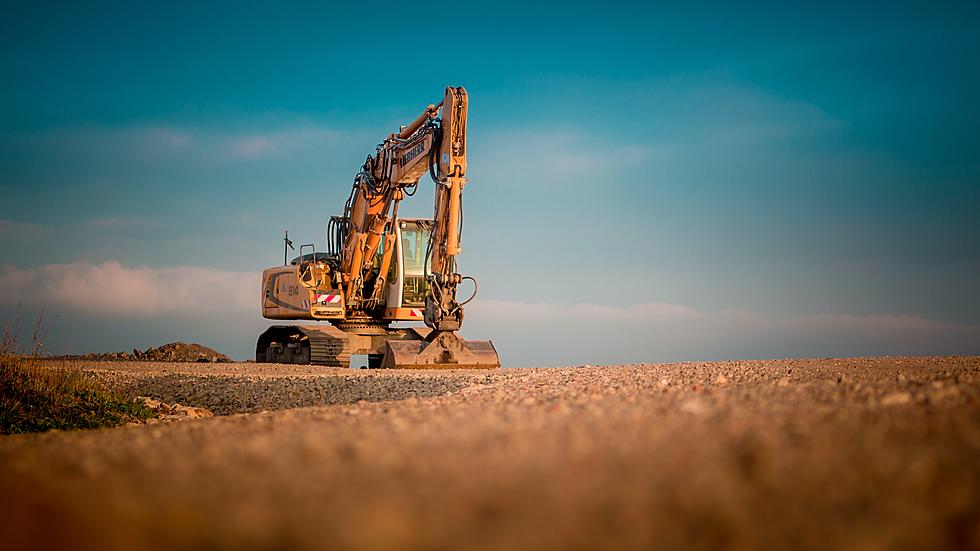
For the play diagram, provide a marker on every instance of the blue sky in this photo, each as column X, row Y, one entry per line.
column 647, row 184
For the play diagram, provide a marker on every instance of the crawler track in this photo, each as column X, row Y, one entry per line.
column 317, row 345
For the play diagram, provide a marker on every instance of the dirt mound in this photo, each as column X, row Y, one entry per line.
column 171, row 352
column 181, row 352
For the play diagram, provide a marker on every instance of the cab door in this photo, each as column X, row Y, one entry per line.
column 408, row 284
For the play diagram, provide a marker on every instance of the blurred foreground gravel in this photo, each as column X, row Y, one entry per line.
column 835, row 453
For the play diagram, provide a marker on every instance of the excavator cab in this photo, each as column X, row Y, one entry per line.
column 408, row 277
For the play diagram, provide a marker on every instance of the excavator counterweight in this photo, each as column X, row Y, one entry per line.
column 380, row 268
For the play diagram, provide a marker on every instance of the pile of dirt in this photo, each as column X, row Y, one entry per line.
column 171, row 352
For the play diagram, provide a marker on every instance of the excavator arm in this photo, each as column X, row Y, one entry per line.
column 434, row 142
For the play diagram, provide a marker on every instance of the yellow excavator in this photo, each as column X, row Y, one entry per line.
column 379, row 268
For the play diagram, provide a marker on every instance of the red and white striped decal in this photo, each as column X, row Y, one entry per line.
column 327, row 299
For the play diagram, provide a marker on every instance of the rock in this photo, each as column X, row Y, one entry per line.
column 174, row 412
column 190, row 412
column 694, row 406
column 938, row 394
column 149, row 402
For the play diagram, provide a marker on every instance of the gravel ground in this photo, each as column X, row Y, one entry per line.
column 834, row 453
column 253, row 388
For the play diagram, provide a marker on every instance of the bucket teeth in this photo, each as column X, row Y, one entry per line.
column 441, row 350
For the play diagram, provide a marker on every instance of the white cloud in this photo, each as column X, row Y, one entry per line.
column 729, row 114
column 251, row 147
column 11, row 231
column 277, row 142
column 142, row 143
column 153, row 144
column 112, row 289
column 223, row 306
column 688, row 124
column 541, row 334
column 116, row 223
column 541, row 158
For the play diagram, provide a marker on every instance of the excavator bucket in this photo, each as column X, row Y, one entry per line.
column 440, row 350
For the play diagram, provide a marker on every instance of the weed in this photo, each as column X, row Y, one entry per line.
column 11, row 334
column 36, row 398
column 10, row 339
column 40, row 332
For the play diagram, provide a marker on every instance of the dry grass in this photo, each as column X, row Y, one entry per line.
column 11, row 334
column 36, row 398
column 10, row 339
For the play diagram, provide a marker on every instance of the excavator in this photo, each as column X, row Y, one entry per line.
column 379, row 268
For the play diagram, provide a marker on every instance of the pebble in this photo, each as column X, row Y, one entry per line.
column 896, row 399
column 694, row 406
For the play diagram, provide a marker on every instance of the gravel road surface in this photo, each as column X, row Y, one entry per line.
column 833, row 453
